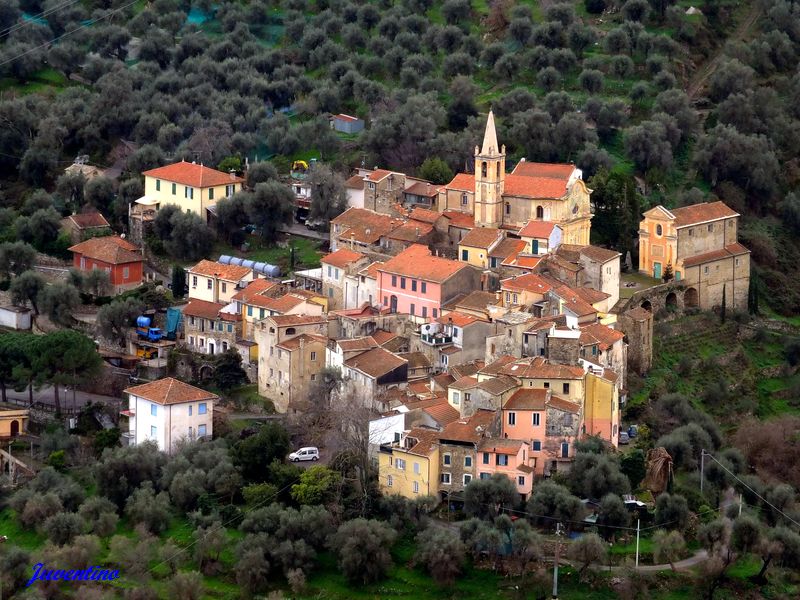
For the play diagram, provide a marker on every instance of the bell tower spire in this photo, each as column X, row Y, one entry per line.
column 490, row 174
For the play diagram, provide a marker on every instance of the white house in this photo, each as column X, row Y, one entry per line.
column 167, row 411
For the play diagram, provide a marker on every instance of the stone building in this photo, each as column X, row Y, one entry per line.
column 699, row 244
column 637, row 325
column 458, row 446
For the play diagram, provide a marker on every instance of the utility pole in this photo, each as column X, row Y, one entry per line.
column 555, row 566
column 702, row 468
column 741, row 498
column 638, row 522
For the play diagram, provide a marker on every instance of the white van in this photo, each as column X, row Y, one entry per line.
column 309, row 453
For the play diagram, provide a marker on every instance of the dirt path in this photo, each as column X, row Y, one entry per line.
column 701, row 76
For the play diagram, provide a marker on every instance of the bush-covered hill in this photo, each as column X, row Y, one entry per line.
column 599, row 82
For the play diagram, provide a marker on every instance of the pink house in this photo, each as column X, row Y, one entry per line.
column 548, row 423
column 417, row 283
column 507, row 457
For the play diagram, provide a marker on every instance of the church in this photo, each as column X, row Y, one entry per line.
column 532, row 191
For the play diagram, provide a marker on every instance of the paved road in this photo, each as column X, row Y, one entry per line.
column 686, row 563
column 45, row 395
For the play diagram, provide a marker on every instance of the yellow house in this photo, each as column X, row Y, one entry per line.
column 601, row 407
column 214, row 282
column 410, row 467
column 565, row 381
column 13, row 421
column 474, row 248
column 190, row 186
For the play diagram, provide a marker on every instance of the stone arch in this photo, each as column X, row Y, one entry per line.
column 671, row 301
column 647, row 305
column 691, row 299
column 14, row 428
column 206, row 372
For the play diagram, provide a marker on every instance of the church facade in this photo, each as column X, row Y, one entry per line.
column 532, row 191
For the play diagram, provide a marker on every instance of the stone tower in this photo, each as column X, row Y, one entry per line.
column 490, row 174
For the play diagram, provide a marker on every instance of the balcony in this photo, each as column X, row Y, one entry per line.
column 128, row 413
column 436, row 339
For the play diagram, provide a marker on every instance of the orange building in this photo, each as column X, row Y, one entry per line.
column 121, row 259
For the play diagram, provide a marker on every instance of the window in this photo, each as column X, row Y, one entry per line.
column 402, row 283
column 468, row 461
column 710, row 227
column 224, row 287
column 424, row 288
column 424, row 312
column 705, row 270
column 546, row 385
column 210, row 193
column 501, row 460
column 330, row 292
column 371, row 185
column 483, row 169
column 485, row 476
column 158, row 185
column 456, row 397
column 230, row 328
column 394, row 280
column 412, row 309
column 126, row 271
column 512, row 418
column 188, row 192
column 539, row 212
column 691, row 232
column 465, row 255
column 400, row 464
column 313, row 377
column 536, row 418
column 416, row 487
column 463, row 199
column 446, row 459
column 229, row 190
column 389, row 480
column 413, row 285
column 209, row 284
column 736, row 261
column 565, row 388
column 336, row 274
column 516, row 299
column 313, row 357
column 153, row 431
column 467, row 478
column 537, row 445
column 486, row 458
column 416, row 468
column 659, row 230
column 202, row 408
column 520, row 481
column 435, row 312
column 194, row 281
column 153, row 410
column 191, row 340
column 508, row 208
column 201, row 430
column 467, row 396
column 508, row 296
column 445, row 478
column 174, row 189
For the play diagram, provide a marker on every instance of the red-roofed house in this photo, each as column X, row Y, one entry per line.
column 85, row 225
column 476, row 247
column 336, row 266
column 417, row 283
column 189, row 186
column 699, row 244
column 118, row 257
column 540, row 237
column 211, row 327
column 294, row 367
column 537, row 191
column 217, row 282
column 524, row 290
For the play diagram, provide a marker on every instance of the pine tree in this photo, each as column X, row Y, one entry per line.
column 178, row 281
column 668, row 274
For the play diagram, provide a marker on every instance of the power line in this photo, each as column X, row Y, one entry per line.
column 757, row 495
column 32, row 19
column 70, row 32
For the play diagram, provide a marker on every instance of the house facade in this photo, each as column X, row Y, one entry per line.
column 215, row 282
column 336, row 267
column 293, row 368
column 189, row 186
column 211, row 327
column 119, row 258
column 410, row 467
column 168, row 411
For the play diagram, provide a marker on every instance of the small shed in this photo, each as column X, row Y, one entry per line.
column 346, row 123
column 15, row 317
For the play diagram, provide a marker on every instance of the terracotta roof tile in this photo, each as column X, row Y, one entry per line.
column 529, row 282
column 471, row 429
column 498, row 385
column 527, row 399
column 416, row 261
column 425, row 440
column 193, row 175
column 109, row 249
column 344, row 117
column 563, row 405
column 728, row 251
column 460, row 220
column 210, row 268
column 425, row 215
column 293, row 344
column 416, row 360
column 422, row 188
column 507, row 247
column 410, row 231
column 598, row 254
column 541, row 368
column 88, row 220
column 534, row 187
column 361, row 343
column 538, row 229
column 500, row 446
column 371, row 270
column 342, row 258
column 590, row 295
column 481, row 237
column 257, row 287
column 382, row 336
column 477, row 300
column 465, row 369
column 605, row 336
column 450, row 350
column 462, row 181
column 292, row 320
column 639, row 314
column 170, row 391
column 442, row 412
column 364, row 225
column 522, row 261
column 702, row 213
column 465, row 383
column 281, row 304
column 203, row 309
column 375, row 362
column 379, row 175
column 356, row 182
column 574, row 302
column 458, row 319
column 553, row 170
column 496, row 367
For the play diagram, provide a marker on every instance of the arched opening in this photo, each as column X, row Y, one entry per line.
column 484, row 169
column 672, row 301
column 647, row 306
column 290, row 331
column 691, row 298
column 14, row 428
column 206, row 372
column 539, row 212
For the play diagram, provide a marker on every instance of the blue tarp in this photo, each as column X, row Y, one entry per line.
column 173, row 322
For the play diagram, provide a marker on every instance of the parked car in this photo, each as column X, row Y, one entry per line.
column 624, row 438
column 309, row 453
column 633, row 431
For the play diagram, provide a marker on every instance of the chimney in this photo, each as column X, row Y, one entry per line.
column 232, row 174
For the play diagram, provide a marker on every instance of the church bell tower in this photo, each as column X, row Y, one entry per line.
column 490, row 174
